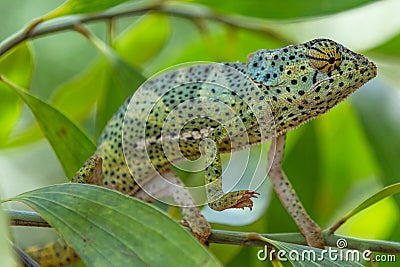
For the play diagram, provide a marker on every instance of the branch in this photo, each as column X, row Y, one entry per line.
column 39, row 28
column 24, row 218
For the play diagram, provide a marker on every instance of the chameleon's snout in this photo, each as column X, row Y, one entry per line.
column 367, row 68
column 373, row 68
column 367, row 71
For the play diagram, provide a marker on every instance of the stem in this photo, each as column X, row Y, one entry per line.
column 110, row 32
column 179, row 10
column 24, row 218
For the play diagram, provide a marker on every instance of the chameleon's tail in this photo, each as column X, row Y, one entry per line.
column 58, row 253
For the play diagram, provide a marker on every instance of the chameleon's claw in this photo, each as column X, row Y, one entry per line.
column 199, row 227
column 245, row 200
column 238, row 199
column 184, row 223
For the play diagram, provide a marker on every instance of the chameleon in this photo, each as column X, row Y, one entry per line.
column 275, row 91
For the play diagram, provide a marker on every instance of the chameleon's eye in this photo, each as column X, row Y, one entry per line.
column 324, row 56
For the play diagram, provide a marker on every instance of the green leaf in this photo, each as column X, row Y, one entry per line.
column 82, row 6
column 31, row 134
column 377, row 107
column 289, row 9
column 151, row 31
column 17, row 65
column 382, row 128
column 78, row 96
column 388, row 48
column 344, row 162
column 301, row 256
column 111, row 80
column 107, row 228
column 6, row 258
column 384, row 193
column 124, row 80
column 69, row 142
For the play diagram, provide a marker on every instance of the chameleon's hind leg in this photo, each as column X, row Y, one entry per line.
column 59, row 253
column 173, row 186
column 288, row 196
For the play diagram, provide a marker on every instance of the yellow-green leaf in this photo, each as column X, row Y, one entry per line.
column 124, row 80
column 388, row 48
column 17, row 65
column 108, row 228
column 384, row 193
column 151, row 31
column 289, row 9
column 78, row 96
column 111, row 80
column 70, row 143
column 82, row 6
column 6, row 258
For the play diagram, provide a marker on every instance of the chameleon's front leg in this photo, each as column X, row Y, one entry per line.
column 288, row 196
column 91, row 172
column 217, row 199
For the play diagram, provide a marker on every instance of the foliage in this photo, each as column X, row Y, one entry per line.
column 72, row 89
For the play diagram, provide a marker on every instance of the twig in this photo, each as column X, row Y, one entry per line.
column 111, row 30
column 179, row 10
column 24, row 218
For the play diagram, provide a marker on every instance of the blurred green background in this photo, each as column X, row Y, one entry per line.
column 334, row 162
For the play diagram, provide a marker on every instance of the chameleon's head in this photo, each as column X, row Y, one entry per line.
column 306, row 80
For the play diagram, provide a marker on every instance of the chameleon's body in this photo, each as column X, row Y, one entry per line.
column 295, row 83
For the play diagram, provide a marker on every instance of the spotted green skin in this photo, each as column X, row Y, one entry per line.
column 294, row 91
column 290, row 88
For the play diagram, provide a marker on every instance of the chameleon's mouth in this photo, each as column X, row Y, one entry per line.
column 372, row 67
column 361, row 76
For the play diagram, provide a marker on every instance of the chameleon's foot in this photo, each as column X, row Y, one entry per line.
column 313, row 235
column 238, row 199
column 200, row 228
